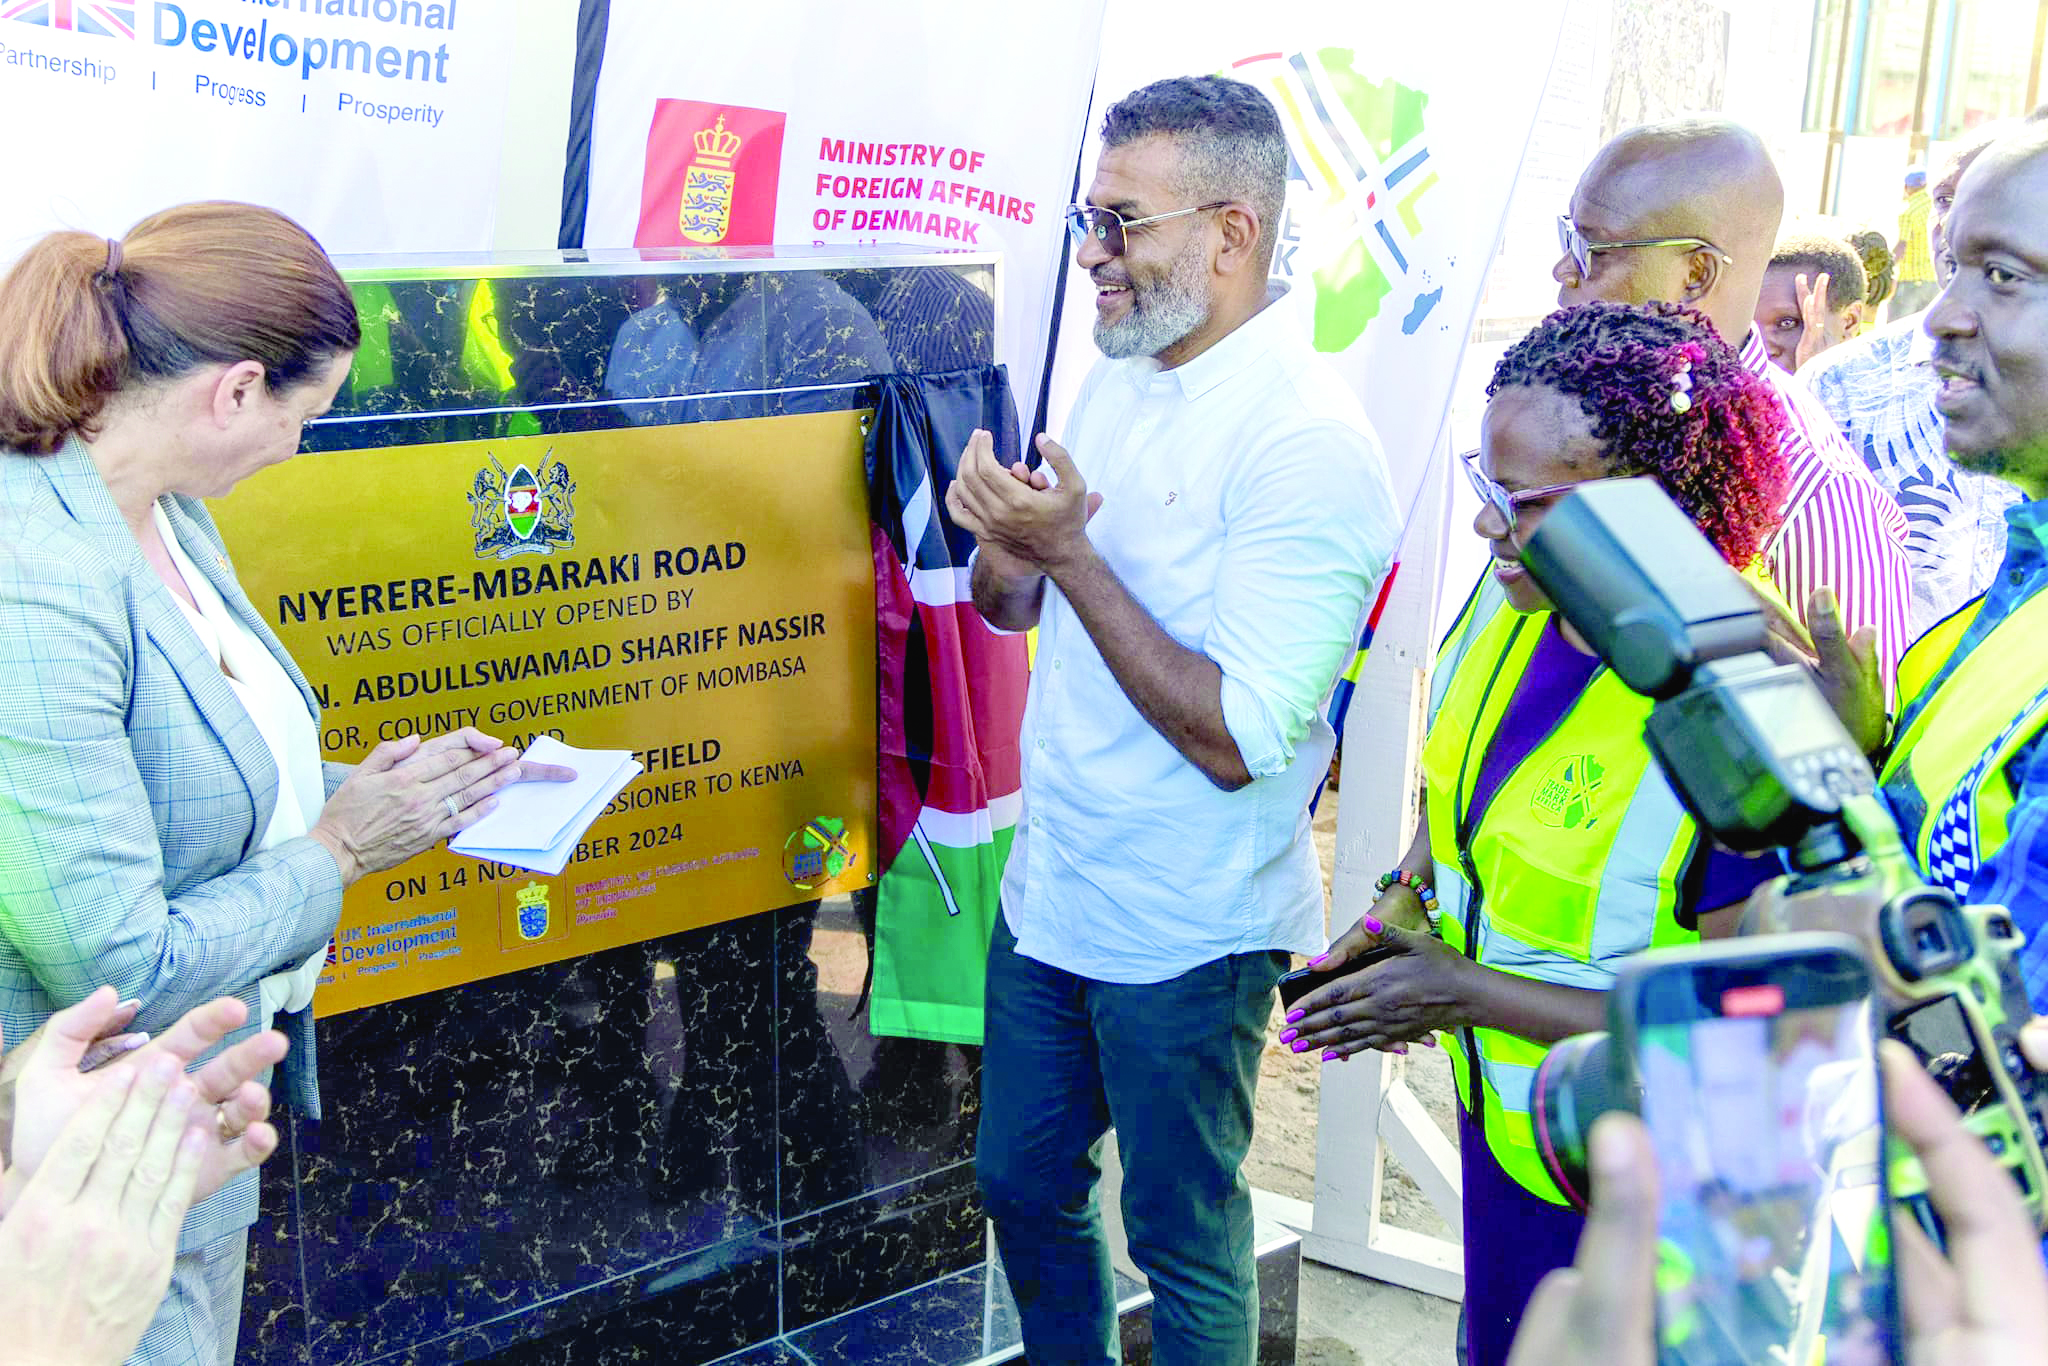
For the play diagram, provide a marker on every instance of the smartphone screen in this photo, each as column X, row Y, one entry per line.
column 1760, row 1091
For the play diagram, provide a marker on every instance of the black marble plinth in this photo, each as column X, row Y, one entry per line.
column 970, row 1318
column 682, row 1149
column 1279, row 1253
column 486, row 352
column 665, row 1152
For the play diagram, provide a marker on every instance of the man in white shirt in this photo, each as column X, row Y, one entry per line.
column 1198, row 569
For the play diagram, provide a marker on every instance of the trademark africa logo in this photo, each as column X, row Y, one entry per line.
column 522, row 513
column 816, row 854
column 1360, row 168
column 110, row 20
column 711, row 175
column 1564, row 799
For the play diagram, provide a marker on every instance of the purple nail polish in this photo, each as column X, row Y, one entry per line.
column 1301, row 1045
column 1297, row 1017
column 1401, row 1048
column 1318, row 962
column 1289, row 1035
column 1373, row 925
column 1333, row 1056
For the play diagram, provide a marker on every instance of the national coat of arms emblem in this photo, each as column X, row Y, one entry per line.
column 522, row 513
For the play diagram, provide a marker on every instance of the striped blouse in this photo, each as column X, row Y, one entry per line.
column 1841, row 529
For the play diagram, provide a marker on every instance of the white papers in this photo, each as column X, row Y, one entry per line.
column 536, row 825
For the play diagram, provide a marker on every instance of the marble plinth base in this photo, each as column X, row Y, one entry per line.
column 970, row 1319
column 663, row 1153
column 686, row 1151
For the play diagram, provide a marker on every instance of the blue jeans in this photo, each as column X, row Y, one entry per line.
column 1173, row 1066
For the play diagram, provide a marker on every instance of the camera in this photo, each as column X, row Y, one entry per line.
column 1761, row 761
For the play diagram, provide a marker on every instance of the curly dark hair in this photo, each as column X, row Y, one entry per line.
column 1816, row 253
column 1721, row 459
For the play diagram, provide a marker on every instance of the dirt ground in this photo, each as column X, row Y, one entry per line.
column 1345, row 1319
column 1283, row 1156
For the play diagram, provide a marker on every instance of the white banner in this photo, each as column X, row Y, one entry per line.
column 1407, row 125
column 898, row 121
column 376, row 123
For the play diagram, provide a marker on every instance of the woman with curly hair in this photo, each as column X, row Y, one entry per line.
column 1548, row 834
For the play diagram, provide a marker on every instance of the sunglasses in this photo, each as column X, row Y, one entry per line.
column 1575, row 245
column 1108, row 227
column 1500, row 500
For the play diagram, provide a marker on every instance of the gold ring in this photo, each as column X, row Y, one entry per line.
column 220, row 1124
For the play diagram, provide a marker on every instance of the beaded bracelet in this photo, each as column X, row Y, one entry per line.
column 1424, row 893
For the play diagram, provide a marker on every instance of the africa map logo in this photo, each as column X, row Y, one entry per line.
column 1360, row 167
column 816, row 853
column 1564, row 798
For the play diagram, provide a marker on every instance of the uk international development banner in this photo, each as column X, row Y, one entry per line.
column 376, row 123
column 1407, row 132
column 916, row 122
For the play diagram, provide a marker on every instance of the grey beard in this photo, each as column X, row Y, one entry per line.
column 1163, row 313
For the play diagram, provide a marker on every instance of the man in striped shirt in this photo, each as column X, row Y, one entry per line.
column 1687, row 211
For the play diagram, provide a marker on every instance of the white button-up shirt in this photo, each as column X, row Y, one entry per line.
column 1246, row 506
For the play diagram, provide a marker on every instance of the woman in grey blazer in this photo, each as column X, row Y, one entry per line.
column 166, row 824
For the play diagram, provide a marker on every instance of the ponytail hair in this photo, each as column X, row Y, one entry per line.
column 83, row 318
column 1880, row 271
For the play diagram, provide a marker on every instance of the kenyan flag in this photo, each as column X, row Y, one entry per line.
column 952, row 699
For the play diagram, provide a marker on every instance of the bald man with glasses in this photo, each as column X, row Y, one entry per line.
column 1198, row 569
column 1687, row 212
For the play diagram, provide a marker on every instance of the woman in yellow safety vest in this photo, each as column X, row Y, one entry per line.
column 1548, row 834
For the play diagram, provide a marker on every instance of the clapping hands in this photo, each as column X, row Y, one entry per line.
column 103, row 1164
column 42, row 1085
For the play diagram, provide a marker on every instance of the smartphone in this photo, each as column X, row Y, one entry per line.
column 1299, row 983
column 1757, row 1063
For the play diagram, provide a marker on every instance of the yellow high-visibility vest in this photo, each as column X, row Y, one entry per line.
column 1576, row 863
column 1946, row 778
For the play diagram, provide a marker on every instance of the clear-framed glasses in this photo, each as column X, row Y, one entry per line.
column 1109, row 227
column 1575, row 245
column 1499, row 499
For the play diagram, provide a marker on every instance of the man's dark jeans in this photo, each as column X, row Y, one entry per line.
column 1173, row 1066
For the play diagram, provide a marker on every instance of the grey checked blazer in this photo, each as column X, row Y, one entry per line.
column 134, row 788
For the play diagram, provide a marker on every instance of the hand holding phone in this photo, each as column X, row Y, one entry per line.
column 1984, row 1301
column 1757, row 1065
column 1295, row 985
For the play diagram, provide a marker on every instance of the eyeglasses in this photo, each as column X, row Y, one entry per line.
column 1108, row 227
column 1499, row 499
column 1574, row 244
